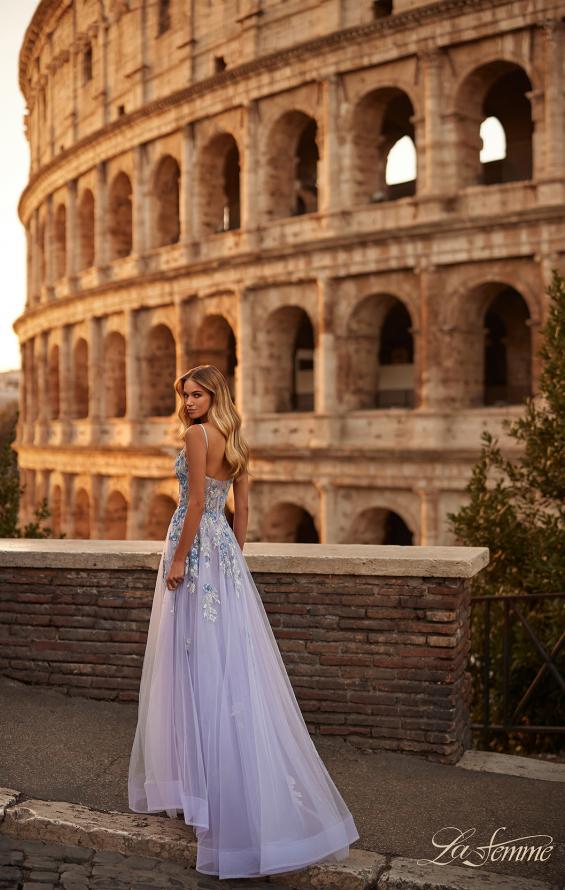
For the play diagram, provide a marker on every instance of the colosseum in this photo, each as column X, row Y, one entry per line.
column 211, row 182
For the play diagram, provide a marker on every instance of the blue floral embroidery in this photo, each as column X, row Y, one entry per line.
column 214, row 532
column 211, row 596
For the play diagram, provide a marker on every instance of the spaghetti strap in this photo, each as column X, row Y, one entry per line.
column 203, row 428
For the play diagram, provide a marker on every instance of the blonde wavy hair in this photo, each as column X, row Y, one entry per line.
column 222, row 413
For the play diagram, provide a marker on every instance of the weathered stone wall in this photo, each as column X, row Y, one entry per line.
column 210, row 187
column 376, row 650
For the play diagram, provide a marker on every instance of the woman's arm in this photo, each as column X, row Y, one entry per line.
column 240, row 497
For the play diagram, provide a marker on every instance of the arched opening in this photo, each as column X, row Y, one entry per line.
column 376, row 368
column 219, row 184
column 114, row 375
column 116, row 517
column 495, row 98
column 60, row 241
column 395, row 385
column 120, row 216
column 287, row 361
column 159, row 515
column 493, row 140
column 292, row 169
column 377, row 525
column 53, row 386
column 401, row 166
column 86, row 229
column 166, row 185
column 163, row 16
column 384, row 153
column 81, row 525
column 158, row 371
column 216, row 345
column 289, row 523
column 80, row 378
column 507, row 350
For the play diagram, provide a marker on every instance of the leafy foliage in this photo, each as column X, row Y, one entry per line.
column 11, row 490
column 516, row 508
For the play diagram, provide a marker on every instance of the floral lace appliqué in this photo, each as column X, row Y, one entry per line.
column 210, row 597
column 214, row 532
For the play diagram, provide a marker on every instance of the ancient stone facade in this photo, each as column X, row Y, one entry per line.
column 211, row 182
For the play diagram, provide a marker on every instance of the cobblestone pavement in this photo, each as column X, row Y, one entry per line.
column 36, row 865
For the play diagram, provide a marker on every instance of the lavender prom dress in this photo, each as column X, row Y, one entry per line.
column 220, row 735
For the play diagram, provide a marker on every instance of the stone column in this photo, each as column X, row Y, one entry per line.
column 187, row 203
column 66, row 394
column 139, row 205
column 329, row 179
column 41, row 389
column 244, row 383
column 34, row 285
column 434, row 167
column 49, row 251
column 325, row 359
column 429, row 517
column 133, row 347
column 96, row 380
column 554, row 105
column 251, row 216
column 428, row 369
column 100, row 226
column 71, row 235
column 328, row 513
column 135, row 520
column 67, row 505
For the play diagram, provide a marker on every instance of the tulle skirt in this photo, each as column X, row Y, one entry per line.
column 220, row 736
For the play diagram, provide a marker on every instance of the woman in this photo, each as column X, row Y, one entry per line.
column 220, row 735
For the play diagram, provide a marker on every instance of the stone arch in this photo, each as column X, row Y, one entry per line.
column 53, row 383
column 55, row 506
column 120, row 216
column 60, row 241
column 216, row 345
column 376, row 368
column 498, row 89
column 80, row 378
column 219, row 184
column 114, row 397
column 292, row 166
column 507, row 370
column 288, row 522
column 165, row 200
column 116, row 517
column 381, row 119
column 489, row 344
column 288, row 357
column 380, row 525
column 81, row 516
column 161, row 509
column 86, row 229
column 158, row 371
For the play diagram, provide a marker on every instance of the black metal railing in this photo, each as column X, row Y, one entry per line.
column 510, row 711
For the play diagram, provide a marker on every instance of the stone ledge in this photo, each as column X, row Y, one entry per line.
column 324, row 559
column 148, row 837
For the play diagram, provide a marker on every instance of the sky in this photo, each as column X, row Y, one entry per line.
column 14, row 164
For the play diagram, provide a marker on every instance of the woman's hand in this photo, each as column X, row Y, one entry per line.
column 175, row 574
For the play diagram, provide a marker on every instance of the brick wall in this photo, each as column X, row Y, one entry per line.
column 378, row 658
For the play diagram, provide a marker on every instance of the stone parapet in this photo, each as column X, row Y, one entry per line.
column 375, row 638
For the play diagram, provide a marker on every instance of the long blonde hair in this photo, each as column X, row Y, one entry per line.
column 222, row 413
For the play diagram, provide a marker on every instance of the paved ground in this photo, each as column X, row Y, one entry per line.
column 56, row 747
